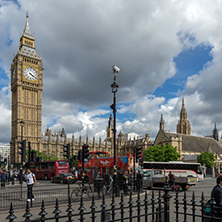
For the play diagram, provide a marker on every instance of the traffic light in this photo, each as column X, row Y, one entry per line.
column 22, row 147
column 66, row 150
column 85, row 152
column 33, row 156
column 138, row 153
column 80, row 155
column 5, row 161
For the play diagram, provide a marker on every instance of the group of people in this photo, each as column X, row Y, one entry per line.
column 7, row 176
column 12, row 175
column 127, row 180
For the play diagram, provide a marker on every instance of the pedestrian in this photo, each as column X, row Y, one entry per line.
column 30, row 180
column 3, row 179
column 139, row 178
column 125, row 185
column 8, row 177
column 11, row 176
column 216, row 194
column 76, row 174
column 15, row 175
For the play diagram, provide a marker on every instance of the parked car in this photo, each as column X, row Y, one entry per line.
column 64, row 178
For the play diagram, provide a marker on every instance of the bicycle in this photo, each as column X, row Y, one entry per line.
column 84, row 192
column 107, row 189
column 174, row 187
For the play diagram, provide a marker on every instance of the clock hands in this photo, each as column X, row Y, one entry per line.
column 31, row 74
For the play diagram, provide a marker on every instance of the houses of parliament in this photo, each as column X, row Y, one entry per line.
column 26, row 91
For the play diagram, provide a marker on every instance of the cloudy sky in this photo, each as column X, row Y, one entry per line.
column 165, row 50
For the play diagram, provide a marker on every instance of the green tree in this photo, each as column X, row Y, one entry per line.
column 161, row 153
column 46, row 157
column 207, row 159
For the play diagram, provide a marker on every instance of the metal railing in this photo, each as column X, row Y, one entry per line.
column 139, row 207
column 49, row 195
column 132, row 208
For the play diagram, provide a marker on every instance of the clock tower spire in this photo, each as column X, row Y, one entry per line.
column 26, row 88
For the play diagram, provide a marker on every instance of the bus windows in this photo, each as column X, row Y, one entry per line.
column 44, row 165
column 51, row 165
column 62, row 163
column 199, row 170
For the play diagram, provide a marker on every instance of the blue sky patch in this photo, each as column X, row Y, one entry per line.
column 188, row 62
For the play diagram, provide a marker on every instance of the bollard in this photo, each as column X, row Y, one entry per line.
column 166, row 198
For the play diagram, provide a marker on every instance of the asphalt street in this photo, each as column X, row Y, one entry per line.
column 204, row 186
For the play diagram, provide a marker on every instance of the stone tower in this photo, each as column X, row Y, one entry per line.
column 26, row 87
column 183, row 125
column 109, row 130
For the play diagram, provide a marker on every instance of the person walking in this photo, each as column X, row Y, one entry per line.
column 3, row 179
column 216, row 194
column 30, row 179
column 125, row 185
column 11, row 176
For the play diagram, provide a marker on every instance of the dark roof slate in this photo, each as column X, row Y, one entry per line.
column 197, row 144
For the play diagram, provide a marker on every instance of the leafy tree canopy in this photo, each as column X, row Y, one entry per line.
column 161, row 153
column 45, row 157
column 207, row 159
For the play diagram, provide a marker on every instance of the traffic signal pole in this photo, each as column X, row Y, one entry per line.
column 29, row 154
column 85, row 155
column 22, row 153
column 66, row 150
column 134, row 168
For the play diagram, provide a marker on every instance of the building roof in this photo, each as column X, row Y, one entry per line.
column 197, row 144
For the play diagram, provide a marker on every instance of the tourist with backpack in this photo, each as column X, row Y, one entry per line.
column 30, row 179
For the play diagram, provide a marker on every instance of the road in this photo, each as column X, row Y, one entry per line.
column 204, row 186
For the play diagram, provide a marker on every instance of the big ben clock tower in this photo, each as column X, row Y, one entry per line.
column 26, row 87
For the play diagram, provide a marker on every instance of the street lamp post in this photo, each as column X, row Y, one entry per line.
column 114, row 87
column 22, row 123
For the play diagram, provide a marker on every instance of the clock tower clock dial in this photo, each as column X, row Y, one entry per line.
column 30, row 74
column 13, row 74
column 26, row 87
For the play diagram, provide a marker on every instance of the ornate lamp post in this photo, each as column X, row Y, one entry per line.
column 114, row 87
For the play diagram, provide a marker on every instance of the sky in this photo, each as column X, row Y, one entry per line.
column 164, row 49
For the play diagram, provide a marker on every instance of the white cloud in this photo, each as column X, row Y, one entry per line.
column 81, row 40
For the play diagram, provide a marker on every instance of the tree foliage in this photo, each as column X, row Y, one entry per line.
column 44, row 156
column 207, row 159
column 161, row 153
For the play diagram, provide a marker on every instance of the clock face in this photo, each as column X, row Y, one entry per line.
column 13, row 74
column 30, row 74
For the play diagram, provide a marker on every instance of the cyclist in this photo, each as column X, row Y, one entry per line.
column 171, row 179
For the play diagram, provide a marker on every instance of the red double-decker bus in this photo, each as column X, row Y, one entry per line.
column 48, row 169
column 97, row 166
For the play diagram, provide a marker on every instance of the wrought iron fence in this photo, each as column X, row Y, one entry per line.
column 151, row 208
column 140, row 207
column 192, row 208
column 49, row 195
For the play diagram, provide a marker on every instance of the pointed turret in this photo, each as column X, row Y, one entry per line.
column 27, row 31
column 183, row 125
column 215, row 132
column 161, row 123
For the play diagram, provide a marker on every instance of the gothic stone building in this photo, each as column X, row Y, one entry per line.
column 187, row 145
